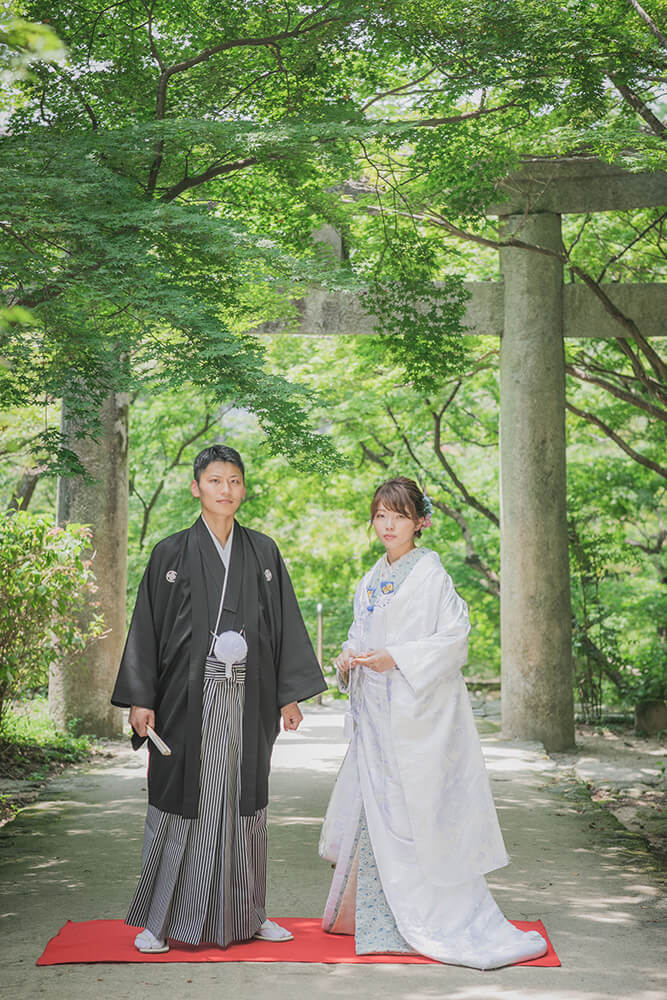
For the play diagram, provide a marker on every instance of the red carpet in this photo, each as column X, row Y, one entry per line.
column 111, row 941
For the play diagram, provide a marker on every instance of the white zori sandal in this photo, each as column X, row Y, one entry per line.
column 149, row 944
column 271, row 931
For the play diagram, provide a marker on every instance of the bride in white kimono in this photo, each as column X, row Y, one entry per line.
column 411, row 825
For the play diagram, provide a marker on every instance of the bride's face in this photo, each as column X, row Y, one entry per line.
column 396, row 531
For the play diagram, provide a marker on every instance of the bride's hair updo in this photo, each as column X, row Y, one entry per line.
column 402, row 495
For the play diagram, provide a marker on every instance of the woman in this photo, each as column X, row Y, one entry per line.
column 411, row 825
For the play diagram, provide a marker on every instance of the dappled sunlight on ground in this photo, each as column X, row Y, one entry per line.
column 325, row 757
column 76, row 855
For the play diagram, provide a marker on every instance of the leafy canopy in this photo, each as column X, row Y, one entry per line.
column 170, row 172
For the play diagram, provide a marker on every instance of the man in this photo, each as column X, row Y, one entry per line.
column 216, row 653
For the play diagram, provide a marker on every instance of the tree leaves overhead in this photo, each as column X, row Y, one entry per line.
column 417, row 321
column 129, row 277
column 172, row 169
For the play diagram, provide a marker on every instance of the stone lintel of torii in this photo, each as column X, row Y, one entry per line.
column 322, row 313
column 531, row 310
column 576, row 185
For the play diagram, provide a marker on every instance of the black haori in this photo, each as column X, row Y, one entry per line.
column 163, row 663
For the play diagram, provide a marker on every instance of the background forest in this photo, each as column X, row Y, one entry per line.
column 162, row 181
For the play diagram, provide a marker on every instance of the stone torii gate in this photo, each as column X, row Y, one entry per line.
column 531, row 310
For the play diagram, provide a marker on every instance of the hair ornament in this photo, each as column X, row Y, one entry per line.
column 428, row 511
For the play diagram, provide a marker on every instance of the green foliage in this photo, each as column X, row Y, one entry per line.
column 418, row 321
column 618, row 599
column 22, row 430
column 595, row 645
column 320, row 525
column 159, row 193
column 178, row 287
column 169, row 173
column 45, row 580
column 646, row 675
column 31, row 749
column 31, row 745
column 23, row 43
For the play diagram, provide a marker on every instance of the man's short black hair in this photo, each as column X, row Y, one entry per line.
column 217, row 453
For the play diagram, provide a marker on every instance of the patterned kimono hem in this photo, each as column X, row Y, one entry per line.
column 357, row 904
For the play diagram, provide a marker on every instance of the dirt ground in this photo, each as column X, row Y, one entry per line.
column 75, row 853
column 625, row 774
column 612, row 766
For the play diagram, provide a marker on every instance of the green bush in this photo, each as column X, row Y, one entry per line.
column 46, row 582
column 646, row 677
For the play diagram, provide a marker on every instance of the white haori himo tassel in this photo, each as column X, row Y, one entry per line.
column 229, row 648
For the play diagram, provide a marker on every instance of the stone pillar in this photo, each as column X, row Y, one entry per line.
column 80, row 687
column 536, row 627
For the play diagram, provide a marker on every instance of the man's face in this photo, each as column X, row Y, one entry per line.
column 220, row 489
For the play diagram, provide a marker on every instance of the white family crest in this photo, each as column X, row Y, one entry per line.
column 170, row 576
column 268, row 574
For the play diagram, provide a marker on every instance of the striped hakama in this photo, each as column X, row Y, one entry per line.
column 204, row 880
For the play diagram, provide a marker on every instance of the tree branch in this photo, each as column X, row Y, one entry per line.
column 51, row 291
column 638, row 237
column 151, row 39
column 236, row 43
column 636, row 103
column 655, row 548
column 463, row 117
column 450, row 399
column 24, row 489
column 208, row 175
column 189, row 182
column 186, row 64
column 149, row 505
column 613, row 436
column 79, row 93
column 654, row 388
column 373, row 456
column 614, row 390
column 471, row 500
column 595, row 653
column 653, row 358
column 396, row 90
column 650, row 22
column 473, row 557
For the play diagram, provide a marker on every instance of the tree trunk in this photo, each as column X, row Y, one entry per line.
column 81, row 685
column 22, row 493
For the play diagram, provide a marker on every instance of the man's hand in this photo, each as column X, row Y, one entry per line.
column 378, row 660
column 291, row 715
column 140, row 718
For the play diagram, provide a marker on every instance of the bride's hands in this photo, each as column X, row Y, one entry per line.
column 343, row 661
column 378, row 660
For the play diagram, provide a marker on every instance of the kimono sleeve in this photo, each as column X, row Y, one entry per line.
column 441, row 650
column 137, row 681
column 354, row 635
column 298, row 673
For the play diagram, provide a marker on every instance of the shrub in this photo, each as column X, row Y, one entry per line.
column 45, row 583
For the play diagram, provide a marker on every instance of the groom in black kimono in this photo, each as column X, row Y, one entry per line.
column 204, row 861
